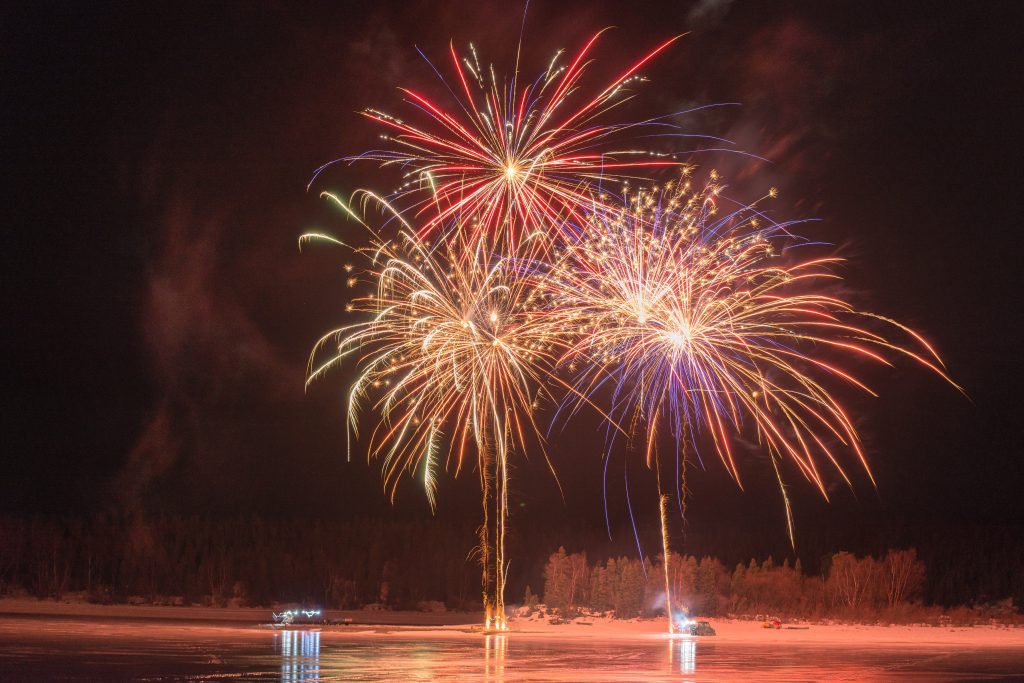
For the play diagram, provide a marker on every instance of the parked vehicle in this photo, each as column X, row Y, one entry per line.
column 701, row 628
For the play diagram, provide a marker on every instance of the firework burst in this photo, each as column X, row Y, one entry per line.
column 452, row 358
column 691, row 314
column 701, row 320
column 508, row 159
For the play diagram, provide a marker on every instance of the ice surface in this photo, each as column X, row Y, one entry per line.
column 102, row 649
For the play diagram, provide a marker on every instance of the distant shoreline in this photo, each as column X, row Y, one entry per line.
column 378, row 623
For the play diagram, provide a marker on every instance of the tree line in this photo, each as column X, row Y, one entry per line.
column 248, row 561
column 887, row 588
column 260, row 561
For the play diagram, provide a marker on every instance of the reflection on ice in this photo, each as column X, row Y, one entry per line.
column 300, row 656
column 495, row 648
column 683, row 653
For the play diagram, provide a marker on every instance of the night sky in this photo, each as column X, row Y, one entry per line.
column 158, row 313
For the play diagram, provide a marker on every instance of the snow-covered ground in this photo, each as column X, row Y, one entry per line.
column 464, row 624
column 749, row 632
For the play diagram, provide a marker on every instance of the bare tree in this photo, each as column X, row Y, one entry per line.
column 904, row 575
column 851, row 579
column 579, row 578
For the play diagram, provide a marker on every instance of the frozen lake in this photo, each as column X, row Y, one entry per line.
column 83, row 649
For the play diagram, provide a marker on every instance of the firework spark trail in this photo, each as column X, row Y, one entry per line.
column 511, row 160
column 666, row 554
column 448, row 345
column 688, row 316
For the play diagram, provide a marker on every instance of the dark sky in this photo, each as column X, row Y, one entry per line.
column 157, row 313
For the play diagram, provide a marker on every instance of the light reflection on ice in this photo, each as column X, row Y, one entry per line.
column 300, row 656
column 495, row 648
column 685, row 654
